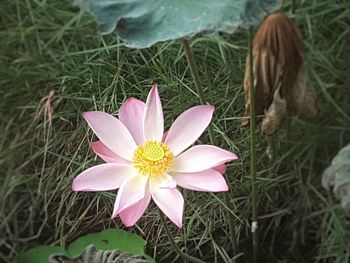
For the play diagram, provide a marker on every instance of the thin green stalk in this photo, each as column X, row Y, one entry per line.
column 294, row 6
column 195, row 76
column 172, row 241
column 252, row 149
column 231, row 225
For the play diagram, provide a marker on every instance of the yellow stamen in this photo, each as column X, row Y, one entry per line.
column 153, row 159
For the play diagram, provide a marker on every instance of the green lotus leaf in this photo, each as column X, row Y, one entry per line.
column 107, row 244
column 337, row 177
column 108, row 240
column 39, row 254
column 142, row 23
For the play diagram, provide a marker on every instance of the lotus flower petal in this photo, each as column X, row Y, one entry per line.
column 103, row 177
column 132, row 214
column 188, row 127
column 220, row 168
column 131, row 192
column 168, row 182
column 131, row 114
column 170, row 201
column 112, row 133
column 153, row 121
column 208, row 180
column 106, row 154
column 200, row 158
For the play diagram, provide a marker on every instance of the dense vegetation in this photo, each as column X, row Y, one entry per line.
column 53, row 67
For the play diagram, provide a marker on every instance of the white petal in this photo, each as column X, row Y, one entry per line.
column 188, row 127
column 130, row 215
column 103, row 177
column 208, row 180
column 106, row 154
column 153, row 121
column 167, row 183
column 112, row 133
column 131, row 114
column 200, row 158
column 131, row 192
column 170, row 201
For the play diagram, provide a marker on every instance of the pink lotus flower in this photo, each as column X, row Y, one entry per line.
column 145, row 163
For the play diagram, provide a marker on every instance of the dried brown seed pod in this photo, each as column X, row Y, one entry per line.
column 280, row 81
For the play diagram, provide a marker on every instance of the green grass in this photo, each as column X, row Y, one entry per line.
column 52, row 57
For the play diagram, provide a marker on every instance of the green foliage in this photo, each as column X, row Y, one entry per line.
column 48, row 46
column 143, row 23
column 109, row 239
column 337, row 177
column 39, row 254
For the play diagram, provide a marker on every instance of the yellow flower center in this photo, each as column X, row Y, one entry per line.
column 153, row 159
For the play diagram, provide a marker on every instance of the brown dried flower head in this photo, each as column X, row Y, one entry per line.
column 280, row 81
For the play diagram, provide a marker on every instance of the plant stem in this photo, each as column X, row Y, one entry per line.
column 172, row 241
column 195, row 76
column 231, row 225
column 294, row 6
column 252, row 149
